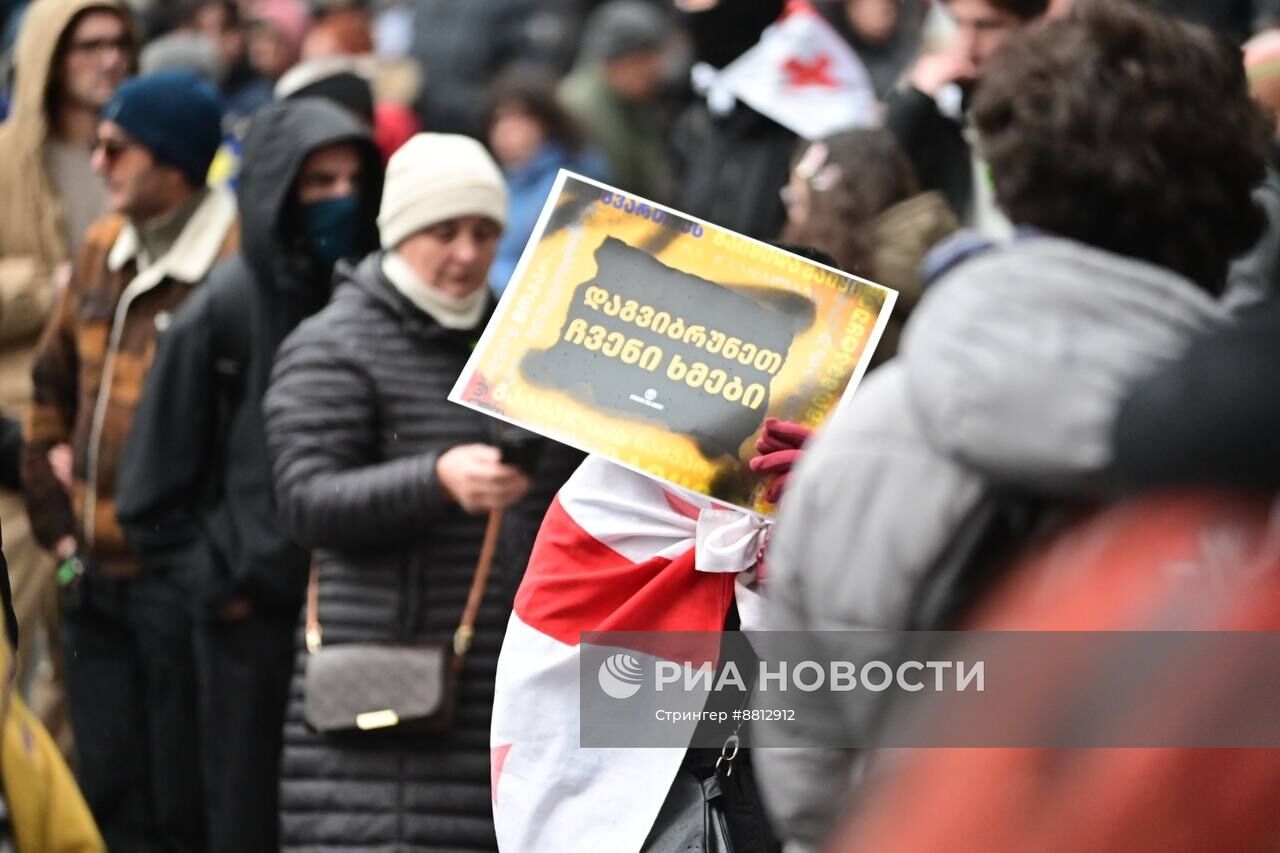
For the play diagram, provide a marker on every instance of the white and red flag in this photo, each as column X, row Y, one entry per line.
column 804, row 76
column 616, row 552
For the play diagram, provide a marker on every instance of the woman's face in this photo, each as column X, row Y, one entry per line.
column 453, row 256
column 515, row 135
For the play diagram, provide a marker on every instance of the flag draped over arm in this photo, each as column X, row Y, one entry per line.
column 617, row 552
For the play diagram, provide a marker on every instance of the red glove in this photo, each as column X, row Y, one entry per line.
column 779, row 446
column 782, row 435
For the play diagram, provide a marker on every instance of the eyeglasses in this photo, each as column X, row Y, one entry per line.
column 123, row 44
column 112, row 147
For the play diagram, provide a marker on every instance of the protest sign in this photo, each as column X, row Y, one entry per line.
column 662, row 342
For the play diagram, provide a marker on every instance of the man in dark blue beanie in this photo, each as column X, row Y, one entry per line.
column 175, row 115
column 127, row 630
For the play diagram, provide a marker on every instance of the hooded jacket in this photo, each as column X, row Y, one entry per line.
column 194, row 488
column 34, row 243
column 1013, row 371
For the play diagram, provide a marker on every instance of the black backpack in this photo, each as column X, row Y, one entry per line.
column 976, row 557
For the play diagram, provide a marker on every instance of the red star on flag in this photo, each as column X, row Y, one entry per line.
column 815, row 72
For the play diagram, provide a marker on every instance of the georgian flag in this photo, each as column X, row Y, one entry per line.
column 804, row 76
column 617, row 551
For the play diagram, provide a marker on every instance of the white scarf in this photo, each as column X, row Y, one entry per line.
column 449, row 311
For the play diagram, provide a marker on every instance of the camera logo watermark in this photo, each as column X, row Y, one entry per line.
column 620, row 676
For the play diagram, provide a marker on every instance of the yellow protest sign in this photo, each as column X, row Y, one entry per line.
column 662, row 342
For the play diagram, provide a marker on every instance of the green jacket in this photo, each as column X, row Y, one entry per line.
column 631, row 135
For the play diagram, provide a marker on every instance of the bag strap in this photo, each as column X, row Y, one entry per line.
column 312, row 633
column 230, row 315
column 975, row 558
column 466, row 629
column 463, row 636
column 228, row 302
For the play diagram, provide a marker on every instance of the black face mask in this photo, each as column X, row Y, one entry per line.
column 332, row 227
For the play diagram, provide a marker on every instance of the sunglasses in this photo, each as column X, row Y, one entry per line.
column 112, row 147
column 123, row 44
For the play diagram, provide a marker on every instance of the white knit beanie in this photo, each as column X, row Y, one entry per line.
column 439, row 176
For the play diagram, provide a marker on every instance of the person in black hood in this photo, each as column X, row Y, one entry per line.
column 884, row 33
column 195, row 493
column 732, row 162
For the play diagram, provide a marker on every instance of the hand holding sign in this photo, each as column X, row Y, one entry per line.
column 780, row 448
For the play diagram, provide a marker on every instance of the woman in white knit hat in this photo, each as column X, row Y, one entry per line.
column 391, row 485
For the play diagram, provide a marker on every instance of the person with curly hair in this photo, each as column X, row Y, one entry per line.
column 1125, row 147
column 927, row 112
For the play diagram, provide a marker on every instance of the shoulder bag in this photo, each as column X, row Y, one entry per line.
column 368, row 687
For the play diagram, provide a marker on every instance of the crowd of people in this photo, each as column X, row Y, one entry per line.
column 247, row 247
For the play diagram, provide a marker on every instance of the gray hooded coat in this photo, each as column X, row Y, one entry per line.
column 1012, row 372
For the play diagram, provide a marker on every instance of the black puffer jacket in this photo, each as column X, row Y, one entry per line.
column 356, row 417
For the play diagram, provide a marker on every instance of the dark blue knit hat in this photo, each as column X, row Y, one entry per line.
column 175, row 115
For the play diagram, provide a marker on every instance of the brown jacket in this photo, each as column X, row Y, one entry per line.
column 91, row 363
column 33, row 238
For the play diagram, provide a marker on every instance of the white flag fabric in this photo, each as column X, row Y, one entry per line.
column 804, row 76
column 616, row 552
